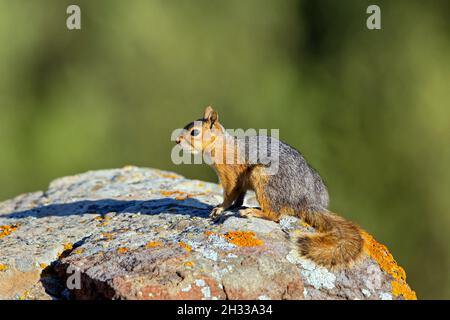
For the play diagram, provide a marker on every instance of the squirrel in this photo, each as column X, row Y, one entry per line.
column 295, row 189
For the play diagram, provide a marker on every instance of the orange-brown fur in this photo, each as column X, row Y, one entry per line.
column 338, row 242
column 234, row 180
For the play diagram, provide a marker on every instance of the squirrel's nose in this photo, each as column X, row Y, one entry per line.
column 178, row 140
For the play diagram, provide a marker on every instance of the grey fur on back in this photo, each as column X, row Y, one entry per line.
column 294, row 183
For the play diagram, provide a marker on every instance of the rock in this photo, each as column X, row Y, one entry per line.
column 136, row 233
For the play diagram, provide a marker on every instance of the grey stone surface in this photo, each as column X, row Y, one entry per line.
column 136, row 233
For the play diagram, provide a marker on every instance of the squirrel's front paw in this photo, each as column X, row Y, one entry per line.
column 216, row 212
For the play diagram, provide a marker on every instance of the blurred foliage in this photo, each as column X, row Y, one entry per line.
column 369, row 109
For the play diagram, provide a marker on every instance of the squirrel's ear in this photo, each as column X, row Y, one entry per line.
column 213, row 117
column 207, row 112
column 210, row 115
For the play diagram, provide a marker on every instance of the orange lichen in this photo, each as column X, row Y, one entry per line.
column 189, row 264
column 169, row 176
column 3, row 267
column 153, row 244
column 180, row 195
column 25, row 295
column 387, row 262
column 108, row 236
column 243, row 238
column 7, row 230
column 208, row 233
column 122, row 250
column 78, row 251
column 402, row 288
column 185, row 246
column 239, row 238
column 103, row 220
column 67, row 248
column 305, row 225
column 171, row 193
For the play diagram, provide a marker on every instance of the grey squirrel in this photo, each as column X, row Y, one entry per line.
column 295, row 189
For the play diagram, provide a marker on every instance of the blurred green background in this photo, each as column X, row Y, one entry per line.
column 369, row 109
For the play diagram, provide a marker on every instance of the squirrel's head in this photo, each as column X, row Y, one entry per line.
column 202, row 134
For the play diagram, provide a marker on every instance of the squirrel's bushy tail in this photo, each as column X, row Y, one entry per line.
column 338, row 242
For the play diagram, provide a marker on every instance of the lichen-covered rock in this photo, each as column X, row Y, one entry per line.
column 137, row 233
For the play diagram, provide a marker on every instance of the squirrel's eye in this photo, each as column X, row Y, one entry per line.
column 195, row 132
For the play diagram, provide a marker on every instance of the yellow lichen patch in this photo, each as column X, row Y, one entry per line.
column 180, row 195
column 239, row 238
column 103, row 220
column 6, row 230
column 243, row 238
column 67, row 247
column 208, row 233
column 43, row 265
column 122, row 250
column 387, row 262
column 402, row 288
column 189, row 264
column 78, row 251
column 25, row 295
column 170, row 176
column 185, row 246
column 108, row 236
column 171, row 193
column 153, row 244
column 3, row 267
column 305, row 225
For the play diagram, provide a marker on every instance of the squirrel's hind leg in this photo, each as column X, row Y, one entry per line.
column 258, row 213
